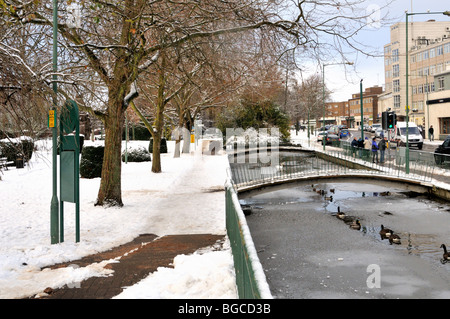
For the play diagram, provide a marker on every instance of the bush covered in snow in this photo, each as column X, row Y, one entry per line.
column 137, row 154
column 14, row 148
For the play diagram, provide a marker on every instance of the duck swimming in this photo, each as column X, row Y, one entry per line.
column 446, row 255
column 340, row 214
column 355, row 225
column 394, row 239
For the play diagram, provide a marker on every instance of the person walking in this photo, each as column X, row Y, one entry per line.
column 382, row 147
column 431, row 133
column 374, row 150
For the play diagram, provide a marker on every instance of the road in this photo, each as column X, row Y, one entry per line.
column 427, row 147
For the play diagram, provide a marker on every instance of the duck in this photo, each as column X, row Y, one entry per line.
column 394, row 239
column 356, row 225
column 385, row 232
column 385, row 193
column 332, row 190
column 446, row 255
column 340, row 214
column 329, row 198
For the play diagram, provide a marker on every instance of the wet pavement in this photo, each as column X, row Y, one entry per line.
column 307, row 252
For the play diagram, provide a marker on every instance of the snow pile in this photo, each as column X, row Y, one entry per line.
column 199, row 274
column 153, row 203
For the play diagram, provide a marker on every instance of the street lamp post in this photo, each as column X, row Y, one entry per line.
column 323, row 95
column 362, row 108
column 54, row 206
column 447, row 13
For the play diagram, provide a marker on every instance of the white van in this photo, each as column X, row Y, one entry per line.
column 415, row 139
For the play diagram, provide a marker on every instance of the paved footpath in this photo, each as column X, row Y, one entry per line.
column 198, row 192
column 137, row 259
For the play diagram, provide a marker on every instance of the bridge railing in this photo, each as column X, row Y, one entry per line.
column 345, row 160
column 250, row 278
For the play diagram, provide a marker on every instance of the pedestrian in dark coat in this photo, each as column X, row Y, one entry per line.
column 382, row 147
column 374, row 151
column 431, row 132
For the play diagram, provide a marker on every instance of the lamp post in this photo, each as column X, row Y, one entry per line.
column 324, row 141
column 54, row 206
column 447, row 13
column 362, row 108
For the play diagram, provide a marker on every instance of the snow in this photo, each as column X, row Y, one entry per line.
column 153, row 203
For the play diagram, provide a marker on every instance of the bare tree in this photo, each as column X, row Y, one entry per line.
column 116, row 41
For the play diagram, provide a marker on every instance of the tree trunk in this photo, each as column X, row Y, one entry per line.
column 177, row 133
column 159, row 120
column 110, row 185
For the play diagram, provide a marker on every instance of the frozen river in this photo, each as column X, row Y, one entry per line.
column 307, row 252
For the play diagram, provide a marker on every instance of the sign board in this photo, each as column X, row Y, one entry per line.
column 70, row 148
column 51, row 118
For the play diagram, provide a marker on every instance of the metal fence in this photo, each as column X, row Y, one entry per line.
column 337, row 160
column 250, row 278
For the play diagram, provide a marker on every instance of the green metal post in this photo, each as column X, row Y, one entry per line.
column 407, row 103
column 54, row 207
column 362, row 109
column 323, row 101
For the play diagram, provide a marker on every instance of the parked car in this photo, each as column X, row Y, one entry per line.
column 344, row 133
column 332, row 138
column 328, row 136
column 320, row 136
column 415, row 139
column 442, row 153
column 378, row 132
column 374, row 127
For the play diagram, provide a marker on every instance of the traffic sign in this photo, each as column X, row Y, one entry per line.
column 51, row 118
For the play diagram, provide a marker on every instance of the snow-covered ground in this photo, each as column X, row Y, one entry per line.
column 153, row 203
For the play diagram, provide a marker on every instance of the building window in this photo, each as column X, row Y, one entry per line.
column 419, row 105
column 395, row 55
column 432, row 53
column 396, row 101
column 445, row 125
column 432, row 69
column 440, row 83
column 439, row 50
column 447, row 48
column 396, row 85
column 395, row 71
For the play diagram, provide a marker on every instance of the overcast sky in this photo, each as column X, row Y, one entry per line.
column 370, row 69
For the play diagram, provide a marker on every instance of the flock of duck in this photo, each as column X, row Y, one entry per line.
column 385, row 233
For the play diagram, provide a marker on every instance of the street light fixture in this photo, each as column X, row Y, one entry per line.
column 323, row 95
column 447, row 13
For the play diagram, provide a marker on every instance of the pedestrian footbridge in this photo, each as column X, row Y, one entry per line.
column 294, row 164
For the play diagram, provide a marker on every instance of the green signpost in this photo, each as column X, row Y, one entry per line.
column 70, row 147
